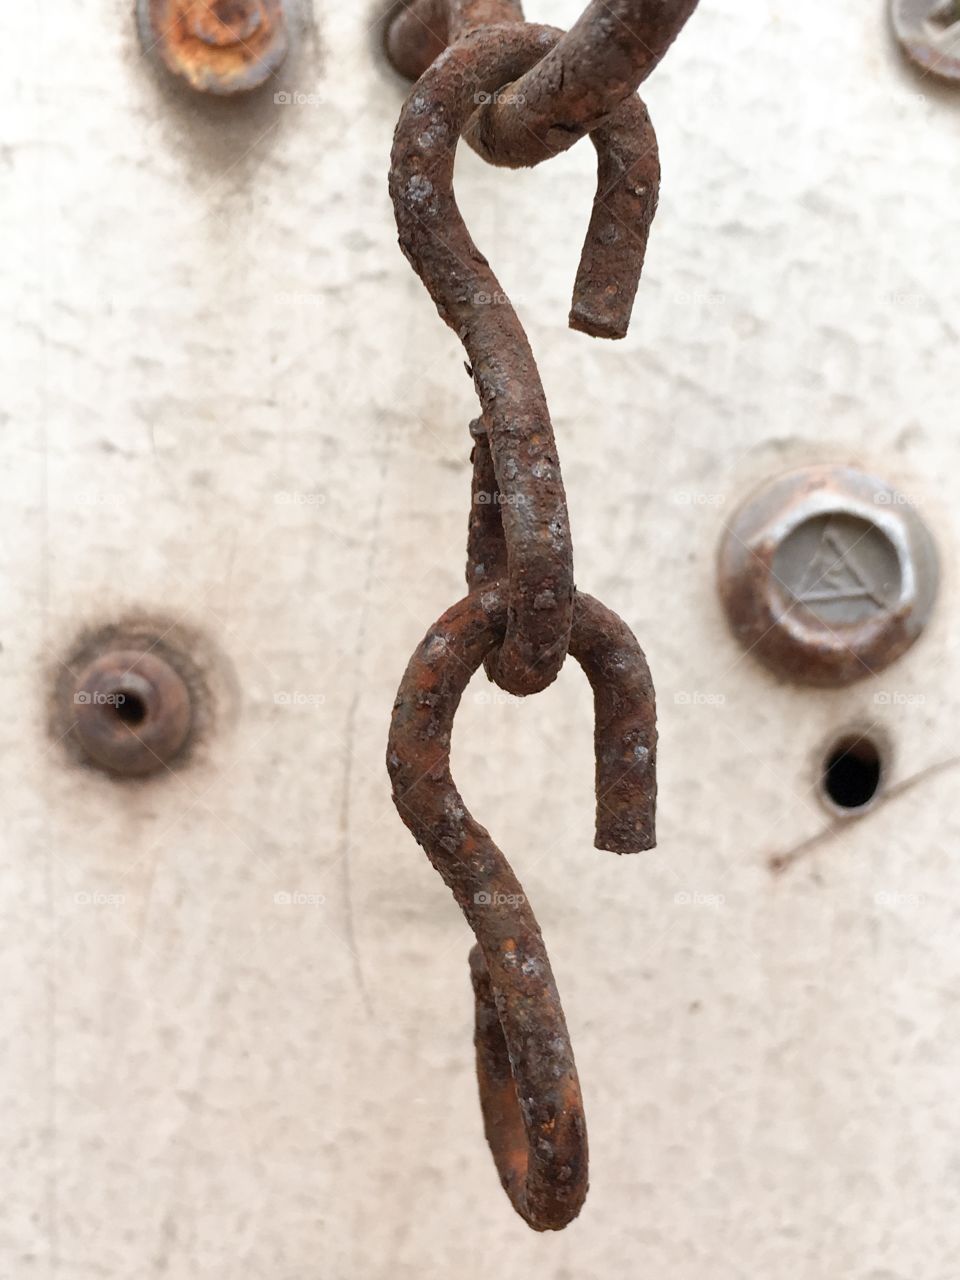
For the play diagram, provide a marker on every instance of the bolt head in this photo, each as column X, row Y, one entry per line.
column 221, row 47
column 929, row 31
column 226, row 22
column 827, row 575
column 132, row 712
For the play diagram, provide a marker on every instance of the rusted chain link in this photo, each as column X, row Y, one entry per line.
column 594, row 68
column 435, row 240
column 522, row 611
column 529, row 1090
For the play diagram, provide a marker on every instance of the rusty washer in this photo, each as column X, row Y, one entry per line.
column 217, row 46
column 929, row 31
column 828, row 575
column 133, row 712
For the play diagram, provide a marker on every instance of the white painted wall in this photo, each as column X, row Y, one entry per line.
column 207, row 311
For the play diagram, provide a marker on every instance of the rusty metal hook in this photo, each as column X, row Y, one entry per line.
column 529, row 1090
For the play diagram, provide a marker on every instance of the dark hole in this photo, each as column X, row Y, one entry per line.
column 130, row 707
column 852, row 772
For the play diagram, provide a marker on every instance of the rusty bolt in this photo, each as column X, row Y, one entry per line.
column 217, row 46
column 827, row 575
column 132, row 711
column 929, row 31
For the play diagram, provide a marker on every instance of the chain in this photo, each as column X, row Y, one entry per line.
column 520, row 93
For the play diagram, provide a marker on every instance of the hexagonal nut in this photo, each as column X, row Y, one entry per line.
column 827, row 575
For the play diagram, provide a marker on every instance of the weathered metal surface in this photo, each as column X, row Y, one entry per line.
column 530, row 1094
column 218, row 46
column 929, row 31
column 827, row 575
column 132, row 712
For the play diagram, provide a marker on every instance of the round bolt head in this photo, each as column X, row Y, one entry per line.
column 133, row 712
column 827, row 575
column 415, row 34
column 929, row 31
column 217, row 46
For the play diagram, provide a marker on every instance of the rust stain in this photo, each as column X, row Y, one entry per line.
column 221, row 47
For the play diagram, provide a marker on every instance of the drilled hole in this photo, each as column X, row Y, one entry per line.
column 852, row 773
column 130, row 708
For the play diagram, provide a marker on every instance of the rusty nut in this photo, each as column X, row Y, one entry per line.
column 218, row 46
column 827, row 575
column 133, row 712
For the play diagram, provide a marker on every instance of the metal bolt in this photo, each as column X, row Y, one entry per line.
column 133, row 711
column 827, row 575
column 414, row 34
column 217, row 46
column 929, row 31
